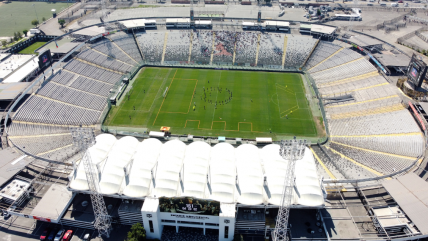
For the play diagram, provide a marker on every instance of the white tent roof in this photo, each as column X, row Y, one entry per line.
column 144, row 160
column 196, row 164
column 98, row 152
column 223, row 164
column 275, row 168
column 118, row 158
column 250, row 174
column 307, row 183
column 168, row 168
column 223, row 172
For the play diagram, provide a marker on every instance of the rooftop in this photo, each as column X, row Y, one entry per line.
column 322, row 29
column 91, row 31
column 364, row 41
column 133, row 23
column 411, row 194
column 224, row 164
column 65, row 48
column 14, row 189
column 9, row 64
column 394, row 60
column 53, row 203
column 9, row 91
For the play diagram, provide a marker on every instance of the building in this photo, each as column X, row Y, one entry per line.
column 196, row 185
column 18, row 67
column 277, row 26
column 203, row 24
column 178, row 23
column 318, row 30
column 139, row 24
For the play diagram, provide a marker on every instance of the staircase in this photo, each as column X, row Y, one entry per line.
column 164, row 46
column 130, row 212
column 138, row 46
column 78, row 223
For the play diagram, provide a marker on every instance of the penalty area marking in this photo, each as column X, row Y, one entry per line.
column 164, row 97
column 290, row 110
column 212, row 123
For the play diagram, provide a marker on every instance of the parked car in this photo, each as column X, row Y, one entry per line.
column 87, row 237
column 67, row 235
column 45, row 234
column 400, row 1
column 52, row 235
column 59, row 235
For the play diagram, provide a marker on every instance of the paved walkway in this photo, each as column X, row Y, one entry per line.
column 52, row 26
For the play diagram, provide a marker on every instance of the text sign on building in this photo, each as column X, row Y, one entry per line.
column 189, row 216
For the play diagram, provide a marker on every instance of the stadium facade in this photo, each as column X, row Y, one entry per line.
column 183, row 177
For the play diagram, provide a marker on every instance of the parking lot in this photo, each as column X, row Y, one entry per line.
column 23, row 229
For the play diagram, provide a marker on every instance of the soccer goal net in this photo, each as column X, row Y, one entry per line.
column 165, row 92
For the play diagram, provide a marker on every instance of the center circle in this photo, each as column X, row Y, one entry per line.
column 217, row 95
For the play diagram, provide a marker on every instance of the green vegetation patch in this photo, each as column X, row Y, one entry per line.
column 17, row 16
column 30, row 49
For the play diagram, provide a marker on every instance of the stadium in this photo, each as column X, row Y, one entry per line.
column 201, row 133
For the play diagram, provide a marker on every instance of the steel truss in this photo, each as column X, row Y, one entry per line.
column 291, row 150
column 84, row 138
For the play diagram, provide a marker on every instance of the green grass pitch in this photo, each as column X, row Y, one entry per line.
column 17, row 16
column 249, row 104
column 30, row 49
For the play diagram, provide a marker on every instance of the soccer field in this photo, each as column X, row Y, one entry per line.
column 17, row 16
column 30, row 49
column 227, row 103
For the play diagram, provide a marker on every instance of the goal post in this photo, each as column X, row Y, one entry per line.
column 165, row 92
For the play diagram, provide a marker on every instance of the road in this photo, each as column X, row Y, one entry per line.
column 24, row 229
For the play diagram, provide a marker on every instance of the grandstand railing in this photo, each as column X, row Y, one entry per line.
column 321, row 106
column 356, row 181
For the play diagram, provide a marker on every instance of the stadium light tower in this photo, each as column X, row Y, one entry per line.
column 84, row 138
column 104, row 17
column 291, row 150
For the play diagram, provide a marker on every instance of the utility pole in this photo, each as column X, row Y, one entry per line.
column 35, row 12
column 291, row 150
column 192, row 14
column 84, row 138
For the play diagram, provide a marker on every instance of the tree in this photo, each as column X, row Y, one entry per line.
column 318, row 12
column 35, row 22
column 43, row 19
column 11, row 40
column 19, row 35
column 137, row 233
column 4, row 43
column 61, row 22
column 15, row 36
column 25, row 31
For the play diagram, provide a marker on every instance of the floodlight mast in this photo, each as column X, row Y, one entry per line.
column 291, row 150
column 84, row 138
column 105, row 15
